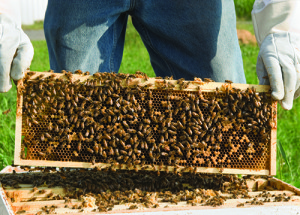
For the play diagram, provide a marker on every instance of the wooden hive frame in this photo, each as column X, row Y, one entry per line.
column 29, row 201
column 140, row 80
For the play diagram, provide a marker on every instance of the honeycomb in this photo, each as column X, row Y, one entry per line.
column 132, row 121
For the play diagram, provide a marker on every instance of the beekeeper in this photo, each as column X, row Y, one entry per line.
column 185, row 39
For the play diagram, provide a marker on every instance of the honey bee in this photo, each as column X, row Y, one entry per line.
column 47, row 135
column 107, row 136
column 90, row 150
column 87, row 133
column 75, row 153
column 42, row 154
column 228, row 81
column 125, row 124
column 111, row 151
column 80, row 136
column 42, row 137
column 93, row 160
column 110, row 101
column 132, row 131
column 49, row 150
column 150, row 103
column 79, row 146
column 104, row 142
column 30, row 73
column 96, row 148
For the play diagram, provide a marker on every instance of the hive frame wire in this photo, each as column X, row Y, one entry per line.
column 205, row 87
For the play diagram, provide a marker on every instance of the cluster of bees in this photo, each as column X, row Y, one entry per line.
column 143, row 189
column 126, row 119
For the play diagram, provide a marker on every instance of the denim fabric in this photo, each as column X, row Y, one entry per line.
column 185, row 39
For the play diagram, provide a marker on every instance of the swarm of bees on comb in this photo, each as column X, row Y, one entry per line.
column 141, row 190
column 131, row 121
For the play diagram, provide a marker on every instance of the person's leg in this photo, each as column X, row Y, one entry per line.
column 86, row 35
column 190, row 38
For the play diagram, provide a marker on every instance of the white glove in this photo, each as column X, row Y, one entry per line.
column 278, row 65
column 277, row 30
column 16, row 52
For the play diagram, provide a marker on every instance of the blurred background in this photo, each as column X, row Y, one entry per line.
column 32, row 10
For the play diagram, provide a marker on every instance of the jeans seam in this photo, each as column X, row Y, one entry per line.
column 150, row 44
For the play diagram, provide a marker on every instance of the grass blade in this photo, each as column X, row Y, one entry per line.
column 283, row 155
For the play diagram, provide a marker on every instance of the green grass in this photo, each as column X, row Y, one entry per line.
column 40, row 60
column 136, row 58
column 246, row 25
column 38, row 25
column 243, row 8
column 7, row 127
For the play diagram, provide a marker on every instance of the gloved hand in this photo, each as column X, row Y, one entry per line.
column 277, row 30
column 278, row 66
column 16, row 52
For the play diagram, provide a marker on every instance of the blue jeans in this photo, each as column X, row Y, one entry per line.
column 185, row 39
